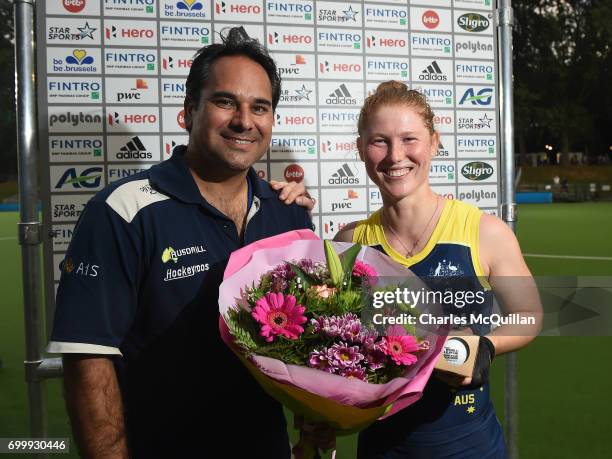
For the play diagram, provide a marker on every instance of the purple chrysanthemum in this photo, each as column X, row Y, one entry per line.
column 355, row 372
column 344, row 356
column 374, row 355
column 320, row 359
column 346, row 327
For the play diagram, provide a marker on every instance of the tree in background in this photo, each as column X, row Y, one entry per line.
column 8, row 136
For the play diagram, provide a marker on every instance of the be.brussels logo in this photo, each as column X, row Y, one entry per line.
column 473, row 22
column 477, row 97
column 74, row 6
column 430, row 19
column 477, row 171
column 79, row 57
column 289, row 12
column 294, row 173
column 77, row 178
column 189, row 5
column 73, row 60
column 192, row 9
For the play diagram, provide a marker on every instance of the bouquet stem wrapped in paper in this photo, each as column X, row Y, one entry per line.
column 290, row 308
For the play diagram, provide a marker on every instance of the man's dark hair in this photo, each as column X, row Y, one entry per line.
column 236, row 43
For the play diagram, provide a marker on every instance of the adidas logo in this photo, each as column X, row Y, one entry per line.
column 343, row 176
column 432, row 73
column 134, row 149
column 341, row 96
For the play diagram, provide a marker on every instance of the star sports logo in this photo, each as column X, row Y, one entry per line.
column 303, row 93
column 349, row 15
column 86, row 31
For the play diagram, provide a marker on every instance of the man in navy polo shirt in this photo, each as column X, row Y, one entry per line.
column 146, row 373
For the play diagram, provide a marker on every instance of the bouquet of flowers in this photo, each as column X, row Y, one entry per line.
column 291, row 308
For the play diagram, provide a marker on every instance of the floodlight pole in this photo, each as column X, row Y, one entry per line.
column 505, row 23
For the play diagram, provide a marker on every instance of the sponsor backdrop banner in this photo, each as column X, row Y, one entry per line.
column 112, row 81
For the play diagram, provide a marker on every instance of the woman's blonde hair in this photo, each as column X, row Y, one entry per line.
column 395, row 93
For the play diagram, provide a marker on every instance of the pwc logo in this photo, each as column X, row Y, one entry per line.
column 430, row 19
column 294, row 173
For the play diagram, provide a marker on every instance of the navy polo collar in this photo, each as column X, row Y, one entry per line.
column 173, row 178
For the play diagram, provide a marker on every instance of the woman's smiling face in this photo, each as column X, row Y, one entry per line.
column 397, row 149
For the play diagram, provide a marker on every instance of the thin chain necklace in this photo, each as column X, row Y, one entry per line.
column 409, row 252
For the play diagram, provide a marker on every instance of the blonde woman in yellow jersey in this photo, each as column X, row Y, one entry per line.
column 434, row 237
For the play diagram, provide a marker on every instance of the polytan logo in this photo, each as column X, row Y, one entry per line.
column 472, row 22
column 437, row 95
column 338, row 14
column 423, row 44
column 433, row 71
column 130, row 61
column 474, row 47
column 476, row 97
column 240, row 10
column 184, row 35
column 293, row 39
column 132, row 119
column 173, row 90
column 430, row 19
column 293, row 147
column 296, row 12
column 115, row 173
column 173, row 119
column 444, row 121
column 76, row 178
column 131, row 91
column 295, row 119
column 386, row 17
column 175, row 62
column 334, row 40
column 192, row 9
column 387, row 42
column 68, row 208
column 337, row 120
column 344, row 200
column 133, row 148
column 298, row 93
column 475, row 121
column 446, row 147
column 341, row 147
column 479, row 195
column 294, row 65
column 73, row 60
column 340, row 67
column 294, row 173
column 474, row 72
column 349, row 173
column 74, row 90
column 71, row 119
column 442, row 172
column 129, row 8
column 338, row 93
column 76, row 148
column 477, row 171
column 172, row 141
column 386, row 68
column 476, row 146
column 119, row 32
column 73, row 31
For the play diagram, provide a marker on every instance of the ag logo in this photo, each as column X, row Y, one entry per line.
column 482, row 97
column 473, row 22
column 477, row 171
column 169, row 254
column 90, row 178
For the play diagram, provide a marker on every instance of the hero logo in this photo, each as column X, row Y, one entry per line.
column 477, row 170
column 330, row 227
column 221, row 7
column 473, row 22
column 374, row 42
column 442, row 120
column 180, row 119
column 290, row 38
column 432, row 72
column 326, row 67
column 90, row 178
column 169, row 63
column 128, row 33
column 294, row 173
column 344, row 176
column 74, row 6
column 482, row 97
column 346, row 202
column 147, row 118
column 430, row 19
column 328, row 146
column 294, row 120
column 140, row 85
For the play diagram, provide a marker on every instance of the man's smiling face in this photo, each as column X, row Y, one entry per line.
column 231, row 126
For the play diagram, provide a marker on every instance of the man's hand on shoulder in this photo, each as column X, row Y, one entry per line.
column 290, row 192
column 346, row 233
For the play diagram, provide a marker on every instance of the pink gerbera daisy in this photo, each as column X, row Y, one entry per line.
column 399, row 345
column 367, row 272
column 278, row 314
